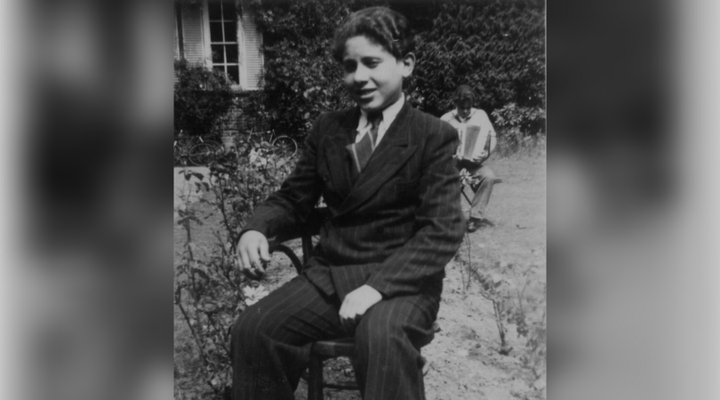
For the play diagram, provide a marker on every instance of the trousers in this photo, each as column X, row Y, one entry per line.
column 484, row 180
column 271, row 340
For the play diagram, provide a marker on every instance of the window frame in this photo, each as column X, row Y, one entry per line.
column 207, row 45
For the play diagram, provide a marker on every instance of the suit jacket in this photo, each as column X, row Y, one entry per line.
column 394, row 226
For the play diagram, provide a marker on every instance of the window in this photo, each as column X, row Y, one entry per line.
column 223, row 20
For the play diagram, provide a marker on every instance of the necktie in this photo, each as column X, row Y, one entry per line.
column 362, row 150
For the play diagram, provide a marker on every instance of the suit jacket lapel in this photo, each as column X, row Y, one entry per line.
column 392, row 152
column 336, row 154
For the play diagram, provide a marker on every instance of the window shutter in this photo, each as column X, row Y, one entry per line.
column 253, row 52
column 192, row 26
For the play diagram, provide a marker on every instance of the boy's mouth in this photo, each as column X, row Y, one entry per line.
column 364, row 92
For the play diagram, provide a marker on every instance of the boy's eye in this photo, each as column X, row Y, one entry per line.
column 371, row 63
column 349, row 66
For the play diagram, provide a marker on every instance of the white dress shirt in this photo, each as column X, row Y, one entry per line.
column 389, row 114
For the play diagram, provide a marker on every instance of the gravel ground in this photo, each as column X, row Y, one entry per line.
column 465, row 362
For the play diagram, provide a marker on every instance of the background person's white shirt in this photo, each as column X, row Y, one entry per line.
column 478, row 118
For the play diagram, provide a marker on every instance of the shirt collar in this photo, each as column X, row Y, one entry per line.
column 389, row 114
column 457, row 116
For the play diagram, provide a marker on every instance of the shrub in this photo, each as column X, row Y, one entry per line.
column 245, row 178
column 201, row 98
column 210, row 291
column 519, row 129
column 496, row 47
column 300, row 78
column 497, row 44
column 518, row 296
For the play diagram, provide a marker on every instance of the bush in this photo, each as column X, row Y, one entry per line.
column 498, row 45
column 301, row 80
column 201, row 98
column 519, row 298
column 210, row 291
column 245, row 178
column 519, row 129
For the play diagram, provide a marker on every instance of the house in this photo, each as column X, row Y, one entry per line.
column 222, row 35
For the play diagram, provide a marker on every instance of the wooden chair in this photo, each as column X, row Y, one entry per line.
column 324, row 349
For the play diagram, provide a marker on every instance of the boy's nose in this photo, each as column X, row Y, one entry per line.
column 361, row 74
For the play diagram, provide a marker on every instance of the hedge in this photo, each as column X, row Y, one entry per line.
column 496, row 46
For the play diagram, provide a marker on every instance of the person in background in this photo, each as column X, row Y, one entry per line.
column 465, row 118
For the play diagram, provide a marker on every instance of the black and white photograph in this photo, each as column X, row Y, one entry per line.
column 360, row 200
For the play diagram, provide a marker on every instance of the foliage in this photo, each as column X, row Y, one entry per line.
column 248, row 113
column 301, row 80
column 496, row 47
column 518, row 128
column 210, row 290
column 519, row 299
column 201, row 98
column 497, row 44
column 244, row 178
column 518, row 295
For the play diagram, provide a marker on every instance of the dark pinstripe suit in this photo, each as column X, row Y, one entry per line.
column 394, row 227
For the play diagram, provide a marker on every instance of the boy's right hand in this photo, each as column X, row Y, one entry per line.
column 252, row 253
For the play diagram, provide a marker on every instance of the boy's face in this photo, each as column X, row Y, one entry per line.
column 373, row 76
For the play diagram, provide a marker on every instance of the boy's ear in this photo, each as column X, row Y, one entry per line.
column 408, row 64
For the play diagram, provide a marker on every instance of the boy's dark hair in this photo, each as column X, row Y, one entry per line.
column 380, row 25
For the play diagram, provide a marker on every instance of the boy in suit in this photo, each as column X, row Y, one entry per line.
column 386, row 174
column 465, row 117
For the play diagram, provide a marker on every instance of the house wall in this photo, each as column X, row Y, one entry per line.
column 194, row 32
column 196, row 43
column 240, row 117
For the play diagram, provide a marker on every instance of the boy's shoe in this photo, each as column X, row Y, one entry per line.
column 477, row 223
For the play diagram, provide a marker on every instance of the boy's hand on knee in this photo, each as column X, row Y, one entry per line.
column 355, row 305
column 252, row 253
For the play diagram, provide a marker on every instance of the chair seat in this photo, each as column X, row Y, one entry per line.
column 344, row 347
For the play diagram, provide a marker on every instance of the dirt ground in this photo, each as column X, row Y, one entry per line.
column 464, row 357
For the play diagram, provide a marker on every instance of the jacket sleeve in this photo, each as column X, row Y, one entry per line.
column 440, row 226
column 290, row 205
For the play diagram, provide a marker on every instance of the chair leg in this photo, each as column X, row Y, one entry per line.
column 315, row 379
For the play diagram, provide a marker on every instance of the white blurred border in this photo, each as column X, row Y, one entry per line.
column 12, row 107
column 698, row 136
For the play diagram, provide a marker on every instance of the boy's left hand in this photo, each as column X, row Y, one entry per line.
column 355, row 305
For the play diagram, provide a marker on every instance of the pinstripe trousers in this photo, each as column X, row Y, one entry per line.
column 271, row 342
